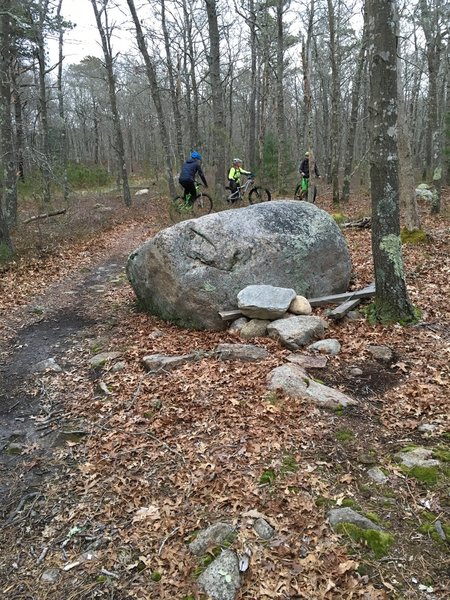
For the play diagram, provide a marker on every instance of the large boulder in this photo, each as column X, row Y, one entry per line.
column 189, row 272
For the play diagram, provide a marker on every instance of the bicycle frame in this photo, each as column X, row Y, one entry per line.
column 241, row 189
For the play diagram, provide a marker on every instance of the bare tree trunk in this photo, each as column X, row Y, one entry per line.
column 348, row 162
column 43, row 108
column 172, row 87
column 335, row 102
column 433, row 37
column 281, row 123
column 192, row 93
column 7, row 155
column 219, row 131
column 392, row 303
column 252, row 100
column 18, row 121
column 154, row 89
column 105, row 35
column 62, row 116
column 307, row 60
column 408, row 200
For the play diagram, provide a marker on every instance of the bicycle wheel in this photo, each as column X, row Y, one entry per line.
column 179, row 210
column 259, row 194
column 202, row 205
column 299, row 194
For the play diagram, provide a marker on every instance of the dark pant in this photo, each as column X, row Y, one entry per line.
column 233, row 185
column 189, row 188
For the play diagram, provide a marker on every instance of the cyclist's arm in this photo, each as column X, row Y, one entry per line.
column 246, row 172
column 202, row 176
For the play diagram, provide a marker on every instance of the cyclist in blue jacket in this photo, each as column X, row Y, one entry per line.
column 190, row 168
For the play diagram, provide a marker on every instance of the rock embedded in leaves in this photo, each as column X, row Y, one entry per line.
column 263, row 529
column 382, row 353
column 417, row 457
column 214, row 535
column 328, row 346
column 377, row 475
column 265, row 301
column 102, row 358
column 245, row 352
column 296, row 331
column 294, row 381
column 160, row 362
column 221, row 579
column 348, row 515
column 187, row 273
column 48, row 364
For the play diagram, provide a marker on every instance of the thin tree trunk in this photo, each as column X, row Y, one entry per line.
column 43, row 108
column 18, row 121
column 408, row 200
column 281, row 123
column 172, row 87
column 219, row 131
column 7, row 155
column 392, row 303
column 348, row 162
column 154, row 89
column 105, row 36
column 252, row 100
column 62, row 116
column 335, row 102
column 307, row 67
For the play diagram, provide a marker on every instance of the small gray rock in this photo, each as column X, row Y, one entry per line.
column 382, row 353
column 214, row 535
column 50, row 575
column 296, row 331
column 221, row 579
column 102, row 358
column 49, row 364
column 348, row 515
column 238, row 324
column 377, row 475
column 355, row 371
column 329, row 346
column 254, row 328
column 263, row 529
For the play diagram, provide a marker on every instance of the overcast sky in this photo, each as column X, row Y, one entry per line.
column 84, row 39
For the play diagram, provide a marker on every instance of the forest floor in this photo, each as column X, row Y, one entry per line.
column 107, row 472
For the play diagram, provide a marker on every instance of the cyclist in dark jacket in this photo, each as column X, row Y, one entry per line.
column 190, row 168
column 304, row 167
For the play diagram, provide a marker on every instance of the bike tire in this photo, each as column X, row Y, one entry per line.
column 179, row 211
column 202, row 205
column 299, row 194
column 259, row 194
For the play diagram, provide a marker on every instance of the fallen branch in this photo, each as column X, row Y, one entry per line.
column 45, row 215
column 364, row 223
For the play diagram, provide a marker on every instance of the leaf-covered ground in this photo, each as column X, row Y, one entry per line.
column 118, row 469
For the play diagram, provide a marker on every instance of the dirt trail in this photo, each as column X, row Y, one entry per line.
column 49, row 326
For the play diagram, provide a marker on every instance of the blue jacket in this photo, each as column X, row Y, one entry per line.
column 189, row 170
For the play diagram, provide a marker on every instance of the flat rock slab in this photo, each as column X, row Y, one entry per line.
column 246, row 352
column 417, row 457
column 294, row 381
column 265, row 301
column 348, row 515
column 159, row 362
column 308, row 362
column 297, row 331
column 102, row 358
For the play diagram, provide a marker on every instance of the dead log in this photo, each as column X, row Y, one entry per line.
column 340, row 311
column 364, row 223
column 45, row 215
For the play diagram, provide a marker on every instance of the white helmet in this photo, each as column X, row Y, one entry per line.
column 236, row 161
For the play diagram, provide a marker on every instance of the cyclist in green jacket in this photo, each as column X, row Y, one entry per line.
column 234, row 174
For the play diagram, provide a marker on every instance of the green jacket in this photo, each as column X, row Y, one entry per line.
column 234, row 173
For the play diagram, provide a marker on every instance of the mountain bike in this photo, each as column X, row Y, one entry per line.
column 248, row 193
column 301, row 191
column 182, row 207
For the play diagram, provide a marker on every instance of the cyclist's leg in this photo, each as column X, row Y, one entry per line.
column 305, row 184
